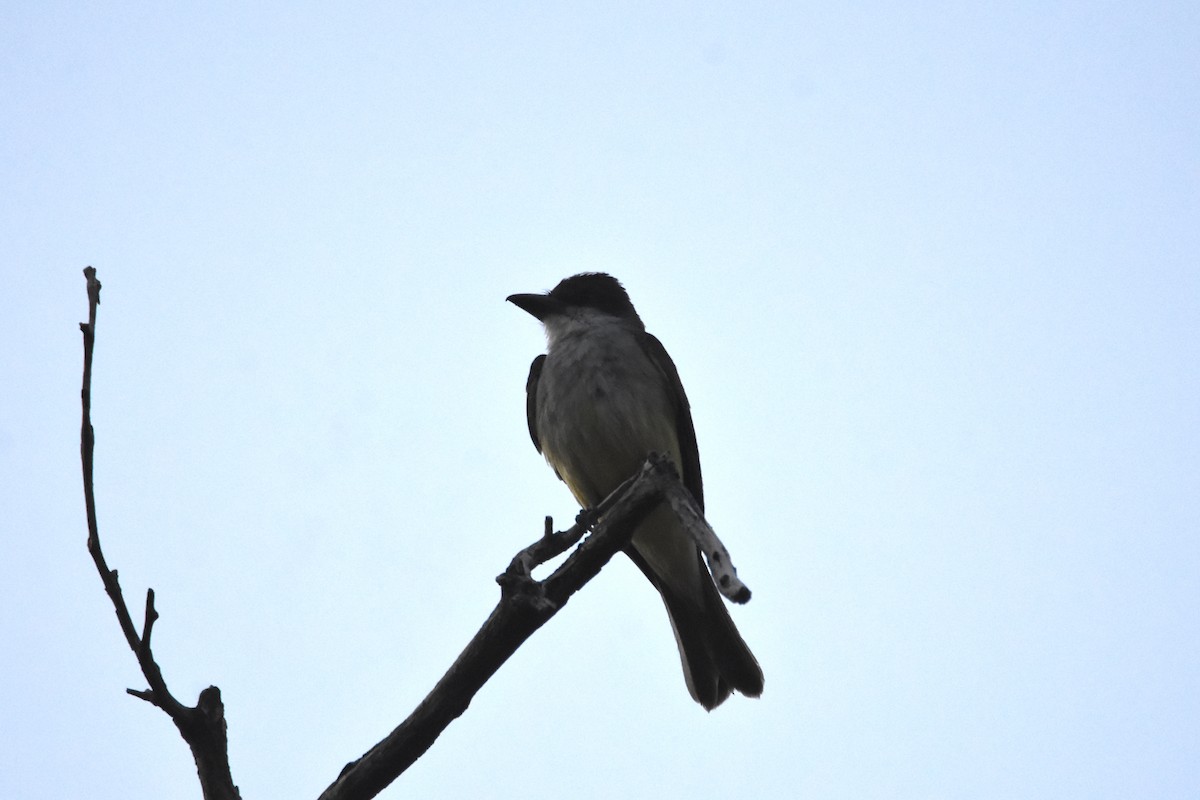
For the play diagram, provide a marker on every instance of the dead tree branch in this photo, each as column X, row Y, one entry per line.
column 203, row 725
column 525, row 605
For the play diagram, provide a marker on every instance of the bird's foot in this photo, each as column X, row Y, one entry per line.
column 586, row 518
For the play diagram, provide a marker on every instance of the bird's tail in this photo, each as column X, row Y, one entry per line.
column 715, row 658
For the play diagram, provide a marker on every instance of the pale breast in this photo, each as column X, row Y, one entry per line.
column 602, row 407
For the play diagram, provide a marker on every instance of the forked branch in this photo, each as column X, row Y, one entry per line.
column 203, row 725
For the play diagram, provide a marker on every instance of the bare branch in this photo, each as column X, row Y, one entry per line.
column 202, row 726
column 719, row 562
column 525, row 605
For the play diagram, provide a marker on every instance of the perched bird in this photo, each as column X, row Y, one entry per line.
column 603, row 397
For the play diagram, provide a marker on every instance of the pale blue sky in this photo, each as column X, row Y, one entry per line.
column 931, row 277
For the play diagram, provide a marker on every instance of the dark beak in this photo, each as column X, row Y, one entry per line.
column 539, row 305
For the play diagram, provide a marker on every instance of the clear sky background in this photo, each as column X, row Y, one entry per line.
column 931, row 276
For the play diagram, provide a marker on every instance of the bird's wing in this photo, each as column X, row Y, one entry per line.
column 684, row 431
column 531, row 387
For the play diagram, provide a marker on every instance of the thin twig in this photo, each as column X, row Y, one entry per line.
column 719, row 563
column 151, row 616
column 202, row 727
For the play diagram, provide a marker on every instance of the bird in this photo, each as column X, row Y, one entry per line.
column 603, row 396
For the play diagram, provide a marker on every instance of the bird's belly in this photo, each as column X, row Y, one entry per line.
column 595, row 431
column 600, row 412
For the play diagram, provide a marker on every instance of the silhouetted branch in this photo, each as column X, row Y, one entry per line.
column 525, row 605
column 202, row 726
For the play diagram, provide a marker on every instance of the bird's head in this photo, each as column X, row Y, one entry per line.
column 587, row 294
